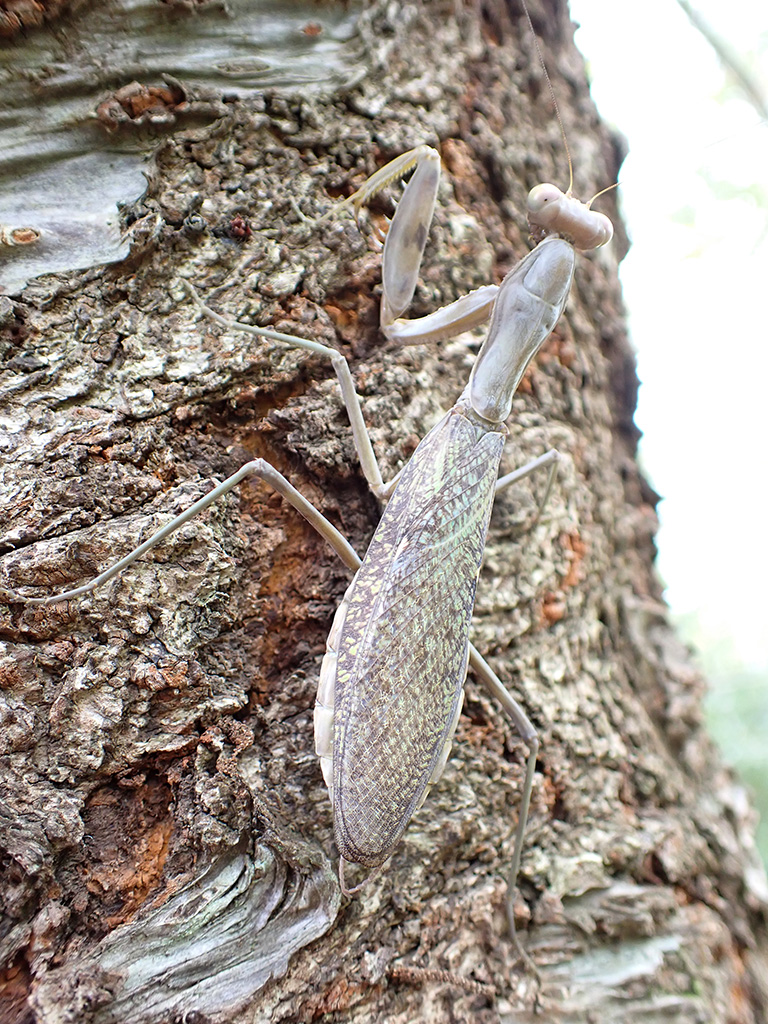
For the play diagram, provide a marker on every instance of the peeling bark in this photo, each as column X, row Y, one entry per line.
column 166, row 835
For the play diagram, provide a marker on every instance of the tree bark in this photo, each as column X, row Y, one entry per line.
column 166, row 834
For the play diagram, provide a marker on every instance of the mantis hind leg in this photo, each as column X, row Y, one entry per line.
column 550, row 459
column 494, row 686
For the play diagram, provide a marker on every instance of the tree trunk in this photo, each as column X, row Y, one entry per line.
column 167, row 839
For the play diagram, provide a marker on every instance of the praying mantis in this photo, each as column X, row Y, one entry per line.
column 402, row 331
column 391, row 685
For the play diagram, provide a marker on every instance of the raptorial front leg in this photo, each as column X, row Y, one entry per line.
column 407, row 235
column 464, row 314
column 404, row 248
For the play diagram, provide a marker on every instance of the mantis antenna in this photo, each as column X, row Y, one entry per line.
column 549, row 210
column 551, row 88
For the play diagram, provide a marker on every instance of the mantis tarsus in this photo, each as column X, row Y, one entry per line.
column 391, row 683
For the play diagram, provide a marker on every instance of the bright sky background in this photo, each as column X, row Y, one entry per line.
column 695, row 197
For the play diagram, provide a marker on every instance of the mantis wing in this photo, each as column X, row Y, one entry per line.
column 403, row 647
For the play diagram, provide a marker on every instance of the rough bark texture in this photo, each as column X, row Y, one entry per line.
column 167, row 848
